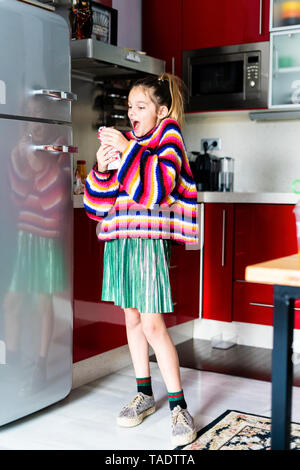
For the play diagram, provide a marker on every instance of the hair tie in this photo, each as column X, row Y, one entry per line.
column 162, row 80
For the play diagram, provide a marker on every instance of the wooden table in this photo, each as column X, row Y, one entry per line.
column 284, row 274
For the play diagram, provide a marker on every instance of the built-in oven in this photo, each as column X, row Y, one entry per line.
column 229, row 77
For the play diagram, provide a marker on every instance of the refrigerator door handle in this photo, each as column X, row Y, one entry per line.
column 56, row 148
column 57, row 94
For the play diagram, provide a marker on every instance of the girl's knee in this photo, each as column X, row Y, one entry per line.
column 153, row 328
column 132, row 317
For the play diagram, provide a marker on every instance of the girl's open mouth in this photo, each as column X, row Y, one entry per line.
column 135, row 125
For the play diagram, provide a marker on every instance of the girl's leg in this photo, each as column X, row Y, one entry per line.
column 151, row 328
column 157, row 335
column 137, row 342
column 142, row 404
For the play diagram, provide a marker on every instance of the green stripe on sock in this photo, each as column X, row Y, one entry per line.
column 176, row 398
column 175, row 395
column 144, row 385
column 143, row 380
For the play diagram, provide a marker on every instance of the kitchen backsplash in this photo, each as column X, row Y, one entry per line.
column 266, row 153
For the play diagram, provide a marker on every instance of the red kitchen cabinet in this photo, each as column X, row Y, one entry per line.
column 217, row 261
column 253, row 233
column 226, row 22
column 262, row 232
column 161, row 32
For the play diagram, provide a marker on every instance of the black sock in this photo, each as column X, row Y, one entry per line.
column 176, row 398
column 144, row 385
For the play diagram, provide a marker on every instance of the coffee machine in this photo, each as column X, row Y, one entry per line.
column 206, row 169
column 212, row 173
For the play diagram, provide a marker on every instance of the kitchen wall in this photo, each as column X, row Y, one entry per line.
column 266, row 153
column 129, row 23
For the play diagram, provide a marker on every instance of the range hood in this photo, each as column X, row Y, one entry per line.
column 97, row 60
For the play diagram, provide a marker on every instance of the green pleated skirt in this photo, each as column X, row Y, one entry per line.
column 39, row 265
column 136, row 274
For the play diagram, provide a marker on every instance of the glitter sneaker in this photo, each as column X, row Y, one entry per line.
column 137, row 409
column 183, row 428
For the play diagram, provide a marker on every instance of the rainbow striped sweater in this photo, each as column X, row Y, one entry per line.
column 151, row 195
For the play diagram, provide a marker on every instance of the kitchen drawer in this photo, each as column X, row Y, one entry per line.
column 253, row 303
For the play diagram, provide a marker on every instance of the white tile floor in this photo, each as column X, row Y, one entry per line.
column 85, row 420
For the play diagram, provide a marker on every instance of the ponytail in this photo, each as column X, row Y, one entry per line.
column 176, row 109
column 166, row 90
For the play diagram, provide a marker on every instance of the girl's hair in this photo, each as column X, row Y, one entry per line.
column 165, row 90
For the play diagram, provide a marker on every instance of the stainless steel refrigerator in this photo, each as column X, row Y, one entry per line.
column 36, row 210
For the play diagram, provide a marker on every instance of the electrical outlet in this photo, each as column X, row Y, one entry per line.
column 212, row 144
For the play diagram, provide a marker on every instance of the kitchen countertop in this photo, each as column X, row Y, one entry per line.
column 210, row 196
column 258, row 198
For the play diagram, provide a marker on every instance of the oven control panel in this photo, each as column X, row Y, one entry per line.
column 252, row 71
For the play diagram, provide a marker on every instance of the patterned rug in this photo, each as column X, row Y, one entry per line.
column 234, row 430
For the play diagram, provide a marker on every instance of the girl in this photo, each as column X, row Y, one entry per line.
column 148, row 201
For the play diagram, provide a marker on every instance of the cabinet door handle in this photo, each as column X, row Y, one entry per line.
column 260, row 16
column 256, row 304
column 57, row 94
column 56, row 148
column 173, row 266
column 223, row 237
column 173, row 65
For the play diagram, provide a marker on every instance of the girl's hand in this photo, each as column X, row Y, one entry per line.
column 113, row 137
column 104, row 157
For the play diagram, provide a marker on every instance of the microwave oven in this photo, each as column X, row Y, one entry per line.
column 228, row 77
